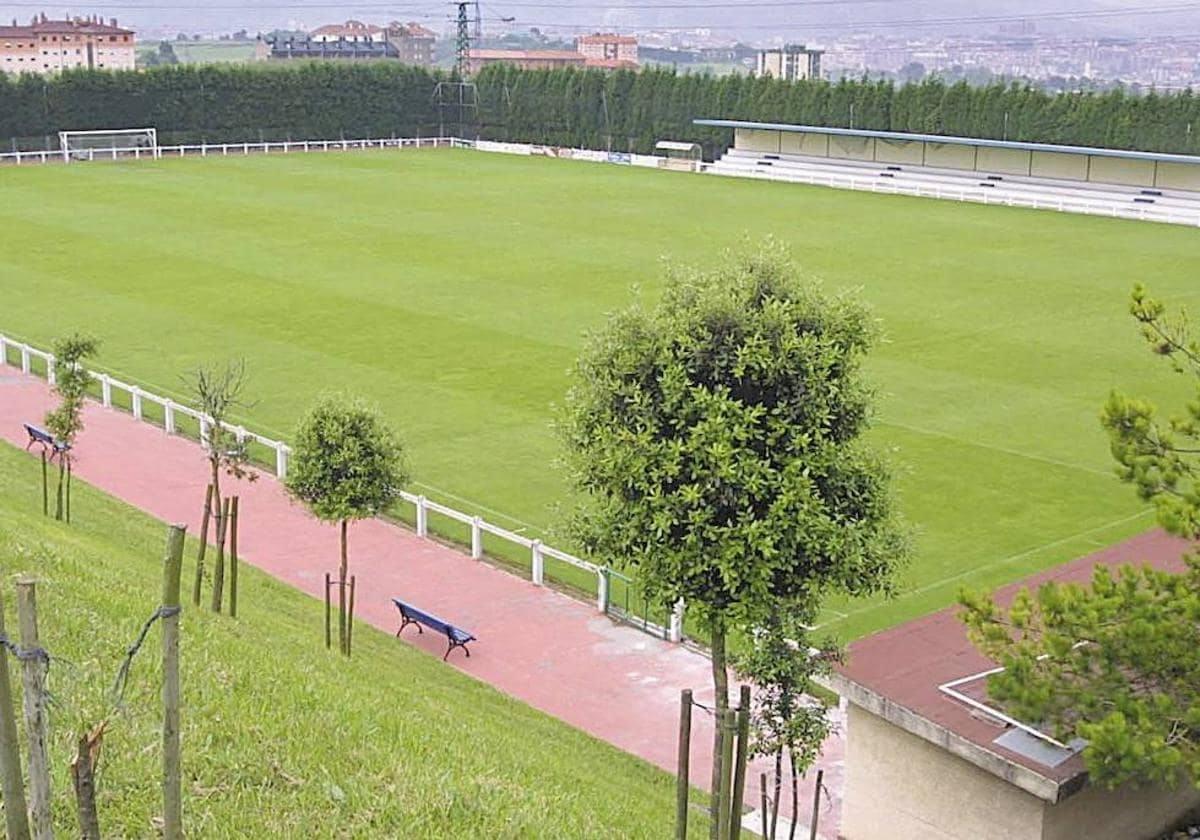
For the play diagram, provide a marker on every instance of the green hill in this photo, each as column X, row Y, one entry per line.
column 281, row 738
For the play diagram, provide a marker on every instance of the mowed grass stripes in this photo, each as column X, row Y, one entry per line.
column 453, row 289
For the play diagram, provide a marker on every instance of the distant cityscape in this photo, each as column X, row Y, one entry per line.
column 1017, row 52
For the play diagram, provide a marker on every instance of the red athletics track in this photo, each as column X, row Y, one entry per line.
column 540, row 646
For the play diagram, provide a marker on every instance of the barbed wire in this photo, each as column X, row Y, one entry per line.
column 22, row 653
column 122, row 680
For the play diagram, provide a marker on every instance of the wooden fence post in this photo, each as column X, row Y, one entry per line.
column 84, row 779
column 739, row 764
column 172, row 773
column 218, row 591
column 12, row 785
column 682, row 771
column 33, row 672
column 196, row 587
column 233, row 558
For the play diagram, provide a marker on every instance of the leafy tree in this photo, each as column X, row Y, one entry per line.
column 347, row 464
column 718, row 441
column 786, row 719
column 1118, row 663
column 65, row 422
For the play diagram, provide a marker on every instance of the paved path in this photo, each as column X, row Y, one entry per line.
column 540, row 646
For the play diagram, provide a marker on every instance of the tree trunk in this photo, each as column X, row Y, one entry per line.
column 342, row 570
column 721, row 697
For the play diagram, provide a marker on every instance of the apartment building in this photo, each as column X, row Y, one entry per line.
column 47, row 46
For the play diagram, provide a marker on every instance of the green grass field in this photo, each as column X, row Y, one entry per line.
column 453, row 289
column 280, row 737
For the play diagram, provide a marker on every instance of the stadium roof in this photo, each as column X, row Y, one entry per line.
column 962, row 141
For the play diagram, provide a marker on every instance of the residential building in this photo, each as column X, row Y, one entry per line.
column 409, row 43
column 413, row 42
column 604, row 49
column 792, row 62
column 352, row 31
column 47, row 46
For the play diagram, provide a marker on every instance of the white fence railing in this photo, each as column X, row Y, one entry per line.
column 227, row 149
column 1140, row 212
column 138, row 398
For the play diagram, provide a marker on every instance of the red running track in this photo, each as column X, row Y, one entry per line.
column 543, row 647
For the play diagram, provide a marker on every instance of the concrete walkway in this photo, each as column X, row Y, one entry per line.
column 545, row 648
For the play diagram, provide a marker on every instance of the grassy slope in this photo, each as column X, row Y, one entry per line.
column 281, row 738
column 453, row 288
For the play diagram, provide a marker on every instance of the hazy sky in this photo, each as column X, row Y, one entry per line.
column 762, row 20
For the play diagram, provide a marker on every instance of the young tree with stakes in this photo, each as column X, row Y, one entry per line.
column 217, row 391
column 347, row 464
column 65, row 422
column 787, row 721
column 718, row 442
column 1117, row 664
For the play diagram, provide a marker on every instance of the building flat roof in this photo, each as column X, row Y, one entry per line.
column 897, row 673
column 962, row 141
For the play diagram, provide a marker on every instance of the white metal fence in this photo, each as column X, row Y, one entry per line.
column 138, row 398
column 1140, row 212
column 227, row 149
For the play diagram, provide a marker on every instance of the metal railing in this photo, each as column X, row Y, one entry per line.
column 138, row 398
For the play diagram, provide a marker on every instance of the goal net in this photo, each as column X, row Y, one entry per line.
column 108, row 144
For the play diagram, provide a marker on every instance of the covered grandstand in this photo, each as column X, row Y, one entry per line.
column 1149, row 185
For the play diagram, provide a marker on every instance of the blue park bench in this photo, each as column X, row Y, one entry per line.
column 411, row 615
column 39, row 435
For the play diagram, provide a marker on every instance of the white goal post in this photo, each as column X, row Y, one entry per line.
column 112, row 143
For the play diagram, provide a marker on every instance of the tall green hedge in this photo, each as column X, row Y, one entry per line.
column 623, row 111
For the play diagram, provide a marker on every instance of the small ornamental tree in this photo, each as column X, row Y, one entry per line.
column 217, row 391
column 1118, row 663
column 65, row 422
column 717, row 440
column 786, row 720
column 346, row 464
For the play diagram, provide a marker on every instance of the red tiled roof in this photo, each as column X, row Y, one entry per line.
column 350, row 27
column 70, row 27
column 905, row 665
column 527, row 55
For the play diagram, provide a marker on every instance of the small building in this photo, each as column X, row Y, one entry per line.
column 608, row 49
column 46, row 46
column 791, row 63
column 930, row 757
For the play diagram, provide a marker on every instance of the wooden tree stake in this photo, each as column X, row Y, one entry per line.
column 45, row 487
column 682, row 769
column 197, row 586
column 33, row 672
column 766, row 813
column 328, row 615
column 724, row 793
column 739, row 763
column 816, row 814
column 233, row 557
column 68, row 491
column 350, row 618
column 218, row 590
column 172, row 773
column 12, row 785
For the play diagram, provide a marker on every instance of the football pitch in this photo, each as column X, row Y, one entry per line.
column 452, row 288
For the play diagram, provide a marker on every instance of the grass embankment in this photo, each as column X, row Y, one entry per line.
column 453, row 287
column 281, row 738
